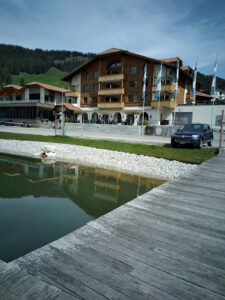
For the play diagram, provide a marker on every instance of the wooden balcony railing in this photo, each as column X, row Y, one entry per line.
column 166, row 104
column 111, row 78
column 108, row 92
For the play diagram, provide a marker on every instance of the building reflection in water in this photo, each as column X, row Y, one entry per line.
column 96, row 191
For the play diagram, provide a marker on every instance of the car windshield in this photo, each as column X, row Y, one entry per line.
column 192, row 127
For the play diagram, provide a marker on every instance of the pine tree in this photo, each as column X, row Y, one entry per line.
column 22, row 81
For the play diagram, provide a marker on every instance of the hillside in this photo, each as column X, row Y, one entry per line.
column 52, row 76
column 206, row 82
column 15, row 60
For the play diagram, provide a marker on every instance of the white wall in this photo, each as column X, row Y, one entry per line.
column 76, row 81
column 203, row 113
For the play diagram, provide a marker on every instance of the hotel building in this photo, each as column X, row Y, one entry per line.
column 108, row 88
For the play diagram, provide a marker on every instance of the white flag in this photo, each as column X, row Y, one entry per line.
column 212, row 92
column 177, row 78
column 158, row 87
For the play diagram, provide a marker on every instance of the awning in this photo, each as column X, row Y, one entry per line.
column 69, row 107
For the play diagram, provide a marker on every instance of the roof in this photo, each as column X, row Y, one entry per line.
column 110, row 51
column 47, row 87
column 202, row 95
column 8, row 89
column 13, row 86
column 102, row 54
column 171, row 59
column 68, row 106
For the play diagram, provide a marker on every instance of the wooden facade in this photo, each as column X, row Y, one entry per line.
column 112, row 81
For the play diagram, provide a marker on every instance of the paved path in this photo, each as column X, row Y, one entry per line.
column 142, row 139
column 138, row 139
column 166, row 244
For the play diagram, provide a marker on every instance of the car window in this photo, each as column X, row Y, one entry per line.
column 192, row 127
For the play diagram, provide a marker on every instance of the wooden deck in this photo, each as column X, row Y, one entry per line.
column 168, row 243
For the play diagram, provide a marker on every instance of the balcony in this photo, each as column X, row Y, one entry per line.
column 167, row 104
column 169, row 88
column 115, row 105
column 109, row 92
column 189, row 97
column 111, row 78
column 72, row 94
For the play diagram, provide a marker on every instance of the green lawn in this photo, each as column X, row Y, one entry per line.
column 166, row 151
column 52, row 76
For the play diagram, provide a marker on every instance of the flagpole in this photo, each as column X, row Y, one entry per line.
column 62, row 121
column 144, row 95
column 158, row 89
column 213, row 86
column 194, row 81
column 175, row 92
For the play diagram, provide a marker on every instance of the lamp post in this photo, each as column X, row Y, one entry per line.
column 213, row 101
column 193, row 103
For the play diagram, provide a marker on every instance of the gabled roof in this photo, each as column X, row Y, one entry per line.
column 171, row 59
column 111, row 50
column 9, row 89
column 68, row 106
column 108, row 52
column 46, row 86
column 203, row 95
column 13, row 86
column 170, row 62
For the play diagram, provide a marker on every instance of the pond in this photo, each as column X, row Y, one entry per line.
column 40, row 203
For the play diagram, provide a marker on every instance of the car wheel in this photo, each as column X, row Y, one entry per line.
column 209, row 143
column 200, row 144
column 174, row 145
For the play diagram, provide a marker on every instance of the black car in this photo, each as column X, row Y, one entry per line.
column 195, row 134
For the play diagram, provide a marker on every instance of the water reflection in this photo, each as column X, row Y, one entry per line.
column 40, row 203
column 97, row 191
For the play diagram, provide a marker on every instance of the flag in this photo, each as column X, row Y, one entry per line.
column 144, row 83
column 212, row 92
column 193, row 92
column 177, row 78
column 158, row 87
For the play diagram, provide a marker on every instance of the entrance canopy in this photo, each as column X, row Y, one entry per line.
column 68, row 108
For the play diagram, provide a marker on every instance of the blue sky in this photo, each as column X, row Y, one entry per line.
column 155, row 28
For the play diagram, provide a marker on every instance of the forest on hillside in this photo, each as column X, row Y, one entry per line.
column 17, row 59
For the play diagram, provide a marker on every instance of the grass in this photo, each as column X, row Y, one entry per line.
column 52, row 76
column 166, row 151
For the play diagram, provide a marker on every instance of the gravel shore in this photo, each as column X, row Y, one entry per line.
column 113, row 160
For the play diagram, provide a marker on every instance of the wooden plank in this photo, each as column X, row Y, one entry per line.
column 153, row 246
column 104, row 269
column 192, row 274
column 166, row 244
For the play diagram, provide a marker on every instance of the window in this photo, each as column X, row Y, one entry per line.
column 85, row 88
column 85, row 100
column 94, row 99
column 96, row 74
column 133, row 70
column 132, row 84
column 95, row 87
column 131, row 98
column 116, row 64
column 86, row 75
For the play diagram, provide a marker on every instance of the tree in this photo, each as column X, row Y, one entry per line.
column 22, row 81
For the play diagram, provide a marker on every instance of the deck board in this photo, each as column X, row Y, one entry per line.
column 166, row 244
